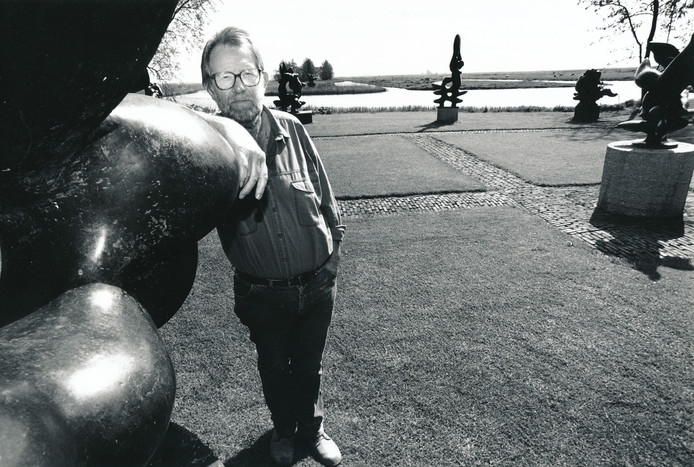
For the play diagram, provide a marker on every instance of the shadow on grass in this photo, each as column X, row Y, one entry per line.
column 181, row 448
column 638, row 241
column 433, row 125
column 258, row 455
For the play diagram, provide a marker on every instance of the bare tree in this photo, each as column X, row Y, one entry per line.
column 186, row 33
column 642, row 19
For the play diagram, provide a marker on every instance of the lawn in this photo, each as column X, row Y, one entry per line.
column 387, row 165
column 471, row 337
column 543, row 158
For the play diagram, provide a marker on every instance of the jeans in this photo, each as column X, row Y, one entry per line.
column 289, row 326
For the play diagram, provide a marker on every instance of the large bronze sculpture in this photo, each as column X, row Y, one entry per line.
column 662, row 111
column 449, row 89
column 289, row 90
column 103, row 197
column 650, row 178
column 589, row 89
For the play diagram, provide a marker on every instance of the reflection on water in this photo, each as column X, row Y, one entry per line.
column 394, row 97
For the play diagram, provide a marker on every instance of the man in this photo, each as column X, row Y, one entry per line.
column 285, row 249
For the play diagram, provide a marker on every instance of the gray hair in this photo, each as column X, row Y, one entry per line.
column 228, row 36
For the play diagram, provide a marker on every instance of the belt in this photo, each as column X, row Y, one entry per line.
column 294, row 281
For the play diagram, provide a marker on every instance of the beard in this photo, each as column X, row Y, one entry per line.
column 245, row 112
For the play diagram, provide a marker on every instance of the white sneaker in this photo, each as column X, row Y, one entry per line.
column 324, row 450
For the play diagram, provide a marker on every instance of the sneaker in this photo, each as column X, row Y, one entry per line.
column 324, row 449
column 281, row 449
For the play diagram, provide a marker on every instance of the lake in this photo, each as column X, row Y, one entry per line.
column 394, row 97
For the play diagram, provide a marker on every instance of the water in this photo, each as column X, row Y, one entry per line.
column 394, row 97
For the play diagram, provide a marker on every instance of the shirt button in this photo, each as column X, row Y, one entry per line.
column 279, row 235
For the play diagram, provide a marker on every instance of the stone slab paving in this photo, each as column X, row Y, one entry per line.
column 571, row 209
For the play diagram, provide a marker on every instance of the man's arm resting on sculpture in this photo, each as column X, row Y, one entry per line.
column 252, row 158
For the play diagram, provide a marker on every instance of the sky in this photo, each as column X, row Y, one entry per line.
column 384, row 37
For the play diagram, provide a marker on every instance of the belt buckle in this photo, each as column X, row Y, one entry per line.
column 294, row 281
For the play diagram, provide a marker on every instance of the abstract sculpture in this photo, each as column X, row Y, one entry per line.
column 449, row 89
column 289, row 90
column 290, row 93
column 103, row 197
column 662, row 111
column 589, row 89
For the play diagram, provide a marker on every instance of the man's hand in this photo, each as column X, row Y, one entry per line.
column 251, row 157
column 333, row 263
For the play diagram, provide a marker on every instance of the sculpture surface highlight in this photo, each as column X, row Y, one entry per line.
column 103, row 197
column 589, row 89
column 662, row 111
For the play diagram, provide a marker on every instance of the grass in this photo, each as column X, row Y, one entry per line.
column 387, row 165
column 466, row 109
column 327, row 110
column 473, row 337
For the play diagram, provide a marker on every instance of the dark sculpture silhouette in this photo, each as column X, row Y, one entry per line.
column 589, row 89
column 146, row 85
column 662, row 111
column 289, row 90
column 449, row 89
column 103, row 197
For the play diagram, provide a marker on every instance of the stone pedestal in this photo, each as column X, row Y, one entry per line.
column 304, row 116
column 447, row 114
column 644, row 182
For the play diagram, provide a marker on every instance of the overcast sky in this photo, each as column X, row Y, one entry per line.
column 372, row 37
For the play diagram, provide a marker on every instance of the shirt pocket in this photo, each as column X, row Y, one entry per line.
column 306, row 202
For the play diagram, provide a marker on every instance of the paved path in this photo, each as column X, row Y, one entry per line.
column 568, row 208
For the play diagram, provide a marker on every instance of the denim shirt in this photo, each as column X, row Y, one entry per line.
column 291, row 229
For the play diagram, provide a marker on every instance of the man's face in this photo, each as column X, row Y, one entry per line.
column 241, row 103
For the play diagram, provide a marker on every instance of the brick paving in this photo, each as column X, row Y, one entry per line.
column 568, row 208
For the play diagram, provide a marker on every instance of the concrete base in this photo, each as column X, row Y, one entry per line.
column 447, row 114
column 641, row 182
column 304, row 116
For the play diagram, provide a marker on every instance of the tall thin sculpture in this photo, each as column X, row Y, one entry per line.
column 449, row 89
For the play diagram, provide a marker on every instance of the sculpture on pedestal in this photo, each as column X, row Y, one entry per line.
column 449, row 89
column 651, row 178
column 289, row 90
column 589, row 89
column 662, row 111
column 103, row 197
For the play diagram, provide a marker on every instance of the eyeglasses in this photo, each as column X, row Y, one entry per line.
column 226, row 79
